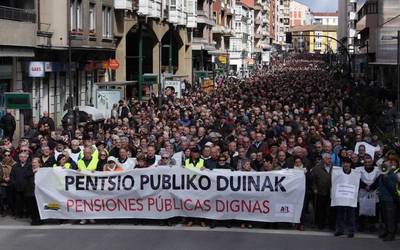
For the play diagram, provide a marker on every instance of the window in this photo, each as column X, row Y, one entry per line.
column 92, row 18
column 107, row 22
column 76, row 19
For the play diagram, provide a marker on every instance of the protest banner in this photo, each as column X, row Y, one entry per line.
column 345, row 187
column 164, row 192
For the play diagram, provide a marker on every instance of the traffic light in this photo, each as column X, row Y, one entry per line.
column 288, row 37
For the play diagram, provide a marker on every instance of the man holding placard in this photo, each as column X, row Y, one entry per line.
column 344, row 193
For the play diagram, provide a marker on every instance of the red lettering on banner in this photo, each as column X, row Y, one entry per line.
column 266, row 207
column 70, row 204
column 185, row 204
column 150, row 203
column 78, row 206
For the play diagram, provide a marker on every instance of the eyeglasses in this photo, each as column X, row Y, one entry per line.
column 165, row 158
column 222, row 160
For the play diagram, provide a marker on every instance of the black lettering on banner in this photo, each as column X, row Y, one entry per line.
column 207, row 180
column 103, row 180
column 124, row 182
column 278, row 183
column 155, row 186
column 92, row 183
column 144, row 179
column 254, row 183
column 221, row 187
column 69, row 180
column 166, row 182
column 238, row 182
column 80, row 183
column 190, row 182
column 267, row 185
column 111, row 181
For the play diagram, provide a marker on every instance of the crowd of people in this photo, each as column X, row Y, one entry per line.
column 293, row 115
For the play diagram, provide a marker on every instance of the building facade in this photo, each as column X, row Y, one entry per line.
column 325, row 18
column 300, row 14
column 156, row 38
column 318, row 39
column 223, row 13
column 375, row 44
column 242, row 43
column 282, row 23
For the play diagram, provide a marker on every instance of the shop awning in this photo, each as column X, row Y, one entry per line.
column 116, row 83
column 16, row 52
column 383, row 63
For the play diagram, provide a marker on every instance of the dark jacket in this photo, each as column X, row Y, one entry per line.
column 49, row 163
column 211, row 163
column 47, row 120
column 321, row 180
column 387, row 187
column 19, row 176
column 7, row 123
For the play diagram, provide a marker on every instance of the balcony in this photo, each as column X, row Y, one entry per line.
column 20, row 15
column 217, row 29
column 258, row 21
column 123, row 4
column 353, row 16
column 257, row 35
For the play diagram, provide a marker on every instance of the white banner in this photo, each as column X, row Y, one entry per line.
column 164, row 192
column 345, row 187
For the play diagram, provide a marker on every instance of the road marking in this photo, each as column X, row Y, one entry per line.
column 176, row 228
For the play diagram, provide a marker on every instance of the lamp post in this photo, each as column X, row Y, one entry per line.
column 160, row 47
column 397, row 120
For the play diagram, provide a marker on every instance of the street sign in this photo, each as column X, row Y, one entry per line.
column 17, row 100
column 150, row 79
column 36, row 69
column 114, row 64
column 200, row 74
column 174, row 86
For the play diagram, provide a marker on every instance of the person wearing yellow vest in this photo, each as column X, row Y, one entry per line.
column 62, row 161
column 89, row 160
column 88, row 163
column 194, row 162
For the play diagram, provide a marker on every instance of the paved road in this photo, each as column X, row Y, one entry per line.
column 110, row 237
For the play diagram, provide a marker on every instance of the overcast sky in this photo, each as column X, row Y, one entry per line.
column 321, row 5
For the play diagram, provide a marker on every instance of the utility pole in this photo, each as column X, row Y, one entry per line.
column 140, row 78
column 170, row 70
column 398, row 87
column 159, row 74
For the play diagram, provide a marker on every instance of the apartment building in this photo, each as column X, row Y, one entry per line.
column 315, row 39
column 17, row 46
column 222, row 31
column 282, row 23
column 376, row 57
column 155, row 38
column 325, row 18
column 261, row 29
column 300, row 14
column 203, row 41
column 242, row 43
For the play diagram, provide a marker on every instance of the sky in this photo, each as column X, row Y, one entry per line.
column 321, row 5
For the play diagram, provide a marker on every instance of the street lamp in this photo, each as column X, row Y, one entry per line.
column 159, row 70
column 389, row 38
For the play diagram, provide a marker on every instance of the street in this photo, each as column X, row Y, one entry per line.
column 19, row 235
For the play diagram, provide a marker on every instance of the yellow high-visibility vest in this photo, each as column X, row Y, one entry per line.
column 92, row 164
column 66, row 165
column 199, row 164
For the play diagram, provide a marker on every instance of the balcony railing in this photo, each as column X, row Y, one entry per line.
column 21, row 15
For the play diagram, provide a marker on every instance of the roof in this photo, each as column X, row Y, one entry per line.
column 316, row 27
column 325, row 13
